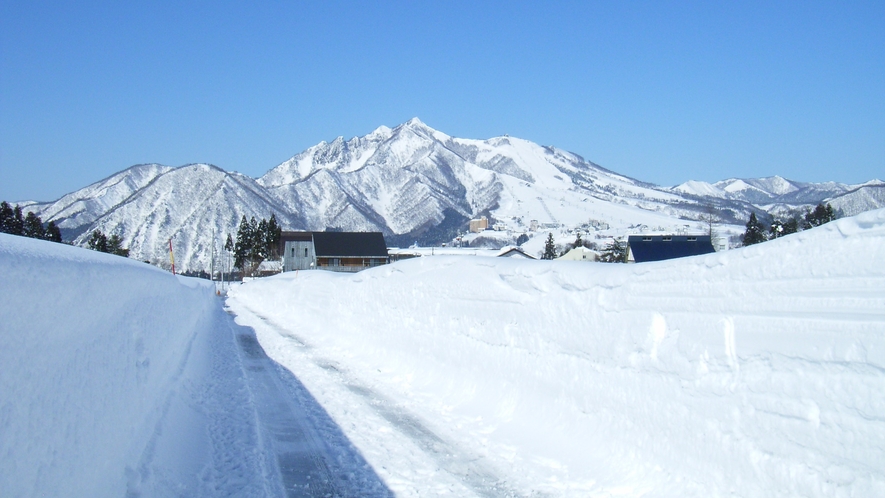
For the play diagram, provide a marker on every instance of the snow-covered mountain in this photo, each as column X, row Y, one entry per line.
column 75, row 212
column 412, row 183
column 775, row 190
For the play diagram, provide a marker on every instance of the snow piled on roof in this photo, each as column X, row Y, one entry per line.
column 754, row 372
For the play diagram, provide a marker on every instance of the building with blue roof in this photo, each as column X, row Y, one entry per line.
column 644, row 248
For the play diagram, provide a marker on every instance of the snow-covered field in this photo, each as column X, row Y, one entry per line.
column 754, row 372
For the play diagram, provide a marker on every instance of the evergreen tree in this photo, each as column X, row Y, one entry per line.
column 755, row 231
column 549, row 247
column 33, row 226
column 229, row 244
column 98, row 242
column 52, row 232
column 6, row 217
column 17, row 222
column 260, row 246
column 791, row 226
column 578, row 241
column 243, row 245
column 255, row 247
column 272, row 238
column 614, row 252
column 820, row 215
column 522, row 239
column 115, row 246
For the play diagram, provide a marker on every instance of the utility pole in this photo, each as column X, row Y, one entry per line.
column 212, row 260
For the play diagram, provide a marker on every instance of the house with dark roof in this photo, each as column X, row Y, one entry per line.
column 643, row 248
column 335, row 251
column 514, row 252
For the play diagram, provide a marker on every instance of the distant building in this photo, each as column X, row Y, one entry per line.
column 514, row 252
column 579, row 253
column 479, row 225
column 644, row 248
column 335, row 251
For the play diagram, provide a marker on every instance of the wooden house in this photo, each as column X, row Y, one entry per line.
column 335, row 251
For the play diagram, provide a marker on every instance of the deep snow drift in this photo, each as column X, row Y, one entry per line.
column 117, row 378
column 754, row 372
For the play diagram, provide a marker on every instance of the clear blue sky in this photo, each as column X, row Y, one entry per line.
column 660, row 91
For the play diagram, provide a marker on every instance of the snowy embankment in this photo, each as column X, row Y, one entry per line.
column 108, row 384
column 754, row 372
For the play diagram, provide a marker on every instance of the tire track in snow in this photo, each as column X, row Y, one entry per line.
column 471, row 470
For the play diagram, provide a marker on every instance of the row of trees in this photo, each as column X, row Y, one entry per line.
column 757, row 231
column 111, row 245
column 13, row 222
column 256, row 241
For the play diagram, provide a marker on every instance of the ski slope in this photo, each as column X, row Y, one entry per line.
column 754, row 372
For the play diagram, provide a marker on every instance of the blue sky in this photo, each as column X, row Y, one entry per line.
column 660, row 91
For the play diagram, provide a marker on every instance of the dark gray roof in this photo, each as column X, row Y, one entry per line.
column 349, row 244
column 660, row 247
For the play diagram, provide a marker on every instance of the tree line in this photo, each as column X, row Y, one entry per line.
column 111, row 245
column 613, row 252
column 30, row 225
column 256, row 241
column 757, row 232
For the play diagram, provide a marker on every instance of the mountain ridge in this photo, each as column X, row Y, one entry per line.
column 413, row 182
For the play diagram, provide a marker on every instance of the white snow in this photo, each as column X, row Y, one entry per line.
column 117, row 379
column 754, row 372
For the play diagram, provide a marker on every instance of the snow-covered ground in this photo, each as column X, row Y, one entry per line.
column 755, row 372
column 117, row 378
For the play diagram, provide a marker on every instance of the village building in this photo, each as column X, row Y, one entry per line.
column 479, row 225
column 579, row 253
column 514, row 252
column 334, row 251
column 644, row 248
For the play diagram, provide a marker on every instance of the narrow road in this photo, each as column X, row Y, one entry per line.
column 236, row 423
column 468, row 474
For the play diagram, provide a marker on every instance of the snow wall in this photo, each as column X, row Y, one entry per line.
column 753, row 372
column 92, row 345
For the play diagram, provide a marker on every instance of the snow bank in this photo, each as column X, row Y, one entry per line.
column 755, row 372
column 91, row 347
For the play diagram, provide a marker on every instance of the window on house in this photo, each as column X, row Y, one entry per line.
column 293, row 252
column 305, row 252
column 692, row 239
column 646, row 239
column 668, row 239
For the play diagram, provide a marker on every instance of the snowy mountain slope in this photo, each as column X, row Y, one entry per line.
column 187, row 204
column 412, row 183
column 754, row 372
column 408, row 176
column 79, row 209
column 771, row 190
column 860, row 199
